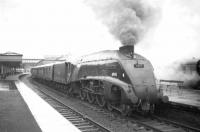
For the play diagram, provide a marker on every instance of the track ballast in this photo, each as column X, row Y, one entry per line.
column 147, row 124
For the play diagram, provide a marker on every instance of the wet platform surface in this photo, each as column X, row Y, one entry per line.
column 14, row 113
column 22, row 110
column 46, row 116
column 183, row 96
column 16, row 116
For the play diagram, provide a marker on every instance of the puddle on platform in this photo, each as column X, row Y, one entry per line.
column 7, row 85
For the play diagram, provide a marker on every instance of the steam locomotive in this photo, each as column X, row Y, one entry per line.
column 116, row 79
column 191, row 69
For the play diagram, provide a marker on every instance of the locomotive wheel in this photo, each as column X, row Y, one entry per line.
column 125, row 110
column 109, row 106
column 70, row 90
column 152, row 108
column 101, row 100
column 90, row 97
column 83, row 94
column 67, row 91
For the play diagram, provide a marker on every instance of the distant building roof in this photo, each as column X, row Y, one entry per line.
column 10, row 54
column 43, row 62
column 11, row 59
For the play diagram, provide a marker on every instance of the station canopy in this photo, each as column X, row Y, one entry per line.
column 11, row 59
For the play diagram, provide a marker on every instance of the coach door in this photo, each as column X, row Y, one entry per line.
column 69, row 68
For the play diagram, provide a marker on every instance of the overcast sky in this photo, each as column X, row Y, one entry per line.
column 51, row 27
column 176, row 38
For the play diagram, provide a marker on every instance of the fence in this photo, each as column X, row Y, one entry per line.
column 171, row 87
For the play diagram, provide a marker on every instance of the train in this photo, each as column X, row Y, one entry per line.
column 191, row 70
column 191, row 67
column 117, row 79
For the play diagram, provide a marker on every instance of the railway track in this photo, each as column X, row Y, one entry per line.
column 180, row 107
column 82, row 122
column 152, row 123
column 184, row 114
column 7, row 85
column 159, row 124
column 139, row 123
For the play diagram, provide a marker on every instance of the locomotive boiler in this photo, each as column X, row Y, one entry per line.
column 118, row 79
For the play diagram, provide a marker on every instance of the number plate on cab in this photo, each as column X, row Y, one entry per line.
column 139, row 65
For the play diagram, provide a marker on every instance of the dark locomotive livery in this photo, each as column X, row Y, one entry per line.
column 191, row 69
column 119, row 79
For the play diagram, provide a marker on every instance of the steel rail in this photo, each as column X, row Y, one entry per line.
column 84, row 123
column 154, row 123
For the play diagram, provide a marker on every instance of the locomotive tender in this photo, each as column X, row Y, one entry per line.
column 119, row 79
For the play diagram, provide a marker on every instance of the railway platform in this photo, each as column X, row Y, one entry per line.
column 14, row 113
column 22, row 110
column 183, row 96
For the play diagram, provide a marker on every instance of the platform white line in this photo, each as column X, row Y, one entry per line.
column 48, row 119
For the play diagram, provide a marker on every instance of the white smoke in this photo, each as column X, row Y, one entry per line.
column 175, row 39
column 166, row 32
column 127, row 20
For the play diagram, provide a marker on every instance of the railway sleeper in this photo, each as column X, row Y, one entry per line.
column 86, row 127
column 164, row 127
column 68, row 115
column 63, row 110
column 91, row 130
column 82, row 124
column 75, row 122
column 73, row 117
column 152, row 122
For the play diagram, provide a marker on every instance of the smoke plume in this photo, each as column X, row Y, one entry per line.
column 127, row 20
column 174, row 40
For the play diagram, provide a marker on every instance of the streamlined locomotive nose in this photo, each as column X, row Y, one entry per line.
column 142, row 79
column 146, row 92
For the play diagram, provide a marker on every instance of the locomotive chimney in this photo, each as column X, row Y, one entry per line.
column 128, row 40
column 127, row 50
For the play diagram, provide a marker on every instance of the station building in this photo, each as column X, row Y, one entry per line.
column 9, row 63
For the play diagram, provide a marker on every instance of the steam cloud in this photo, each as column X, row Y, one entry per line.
column 127, row 20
